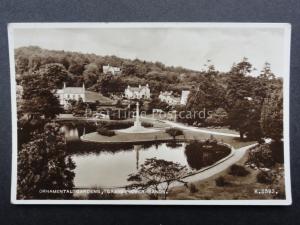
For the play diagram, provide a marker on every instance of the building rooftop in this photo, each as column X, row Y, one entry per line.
column 137, row 88
column 71, row 90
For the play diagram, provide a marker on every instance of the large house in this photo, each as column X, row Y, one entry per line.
column 168, row 98
column 184, row 97
column 140, row 92
column 70, row 93
column 111, row 70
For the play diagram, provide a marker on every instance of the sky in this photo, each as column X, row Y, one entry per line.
column 186, row 47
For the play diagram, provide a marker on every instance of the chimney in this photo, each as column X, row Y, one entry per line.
column 83, row 87
column 64, row 85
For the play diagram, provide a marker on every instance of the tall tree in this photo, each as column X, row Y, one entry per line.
column 44, row 164
column 238, row 87
column 39, row 91
column 90, row 74
column 208, row 95
column 272, row 116
column 243, row 105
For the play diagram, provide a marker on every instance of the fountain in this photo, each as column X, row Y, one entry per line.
column 137, row 127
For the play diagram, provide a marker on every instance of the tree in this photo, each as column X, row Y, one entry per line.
column 128, row 69
column 218, row 118
column 79, row 107
column 44, row 164
column 156, row 175
column 54, row 73
column 39, row 95
column 243, row 104
column 110, row 84
column 207, row 96
column 173, row 131
column 272, row 117
column 244, row 117
column 90, row 74
column 156, row 103
column 238, row 87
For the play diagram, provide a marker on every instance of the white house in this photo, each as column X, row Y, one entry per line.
column 70, row 93
column 184, row 97
column 112, row 70
column 140, row 92
column 168, row 98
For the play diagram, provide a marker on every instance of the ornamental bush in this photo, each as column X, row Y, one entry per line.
column 115, row 125
column 174, row 132
column 146, row 124
column 105, row 132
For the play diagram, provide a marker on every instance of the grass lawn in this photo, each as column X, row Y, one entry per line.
column 161, row 135
column 127, row 137
column 94, row 96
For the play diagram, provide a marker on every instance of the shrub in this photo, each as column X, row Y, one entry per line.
column 146, row 124
column 237, row 170
column 174, row 132
column 221, row 182
column 114, row 125
column 265, row 177
column 193, row 188
column 261, row 156
column 105, row 132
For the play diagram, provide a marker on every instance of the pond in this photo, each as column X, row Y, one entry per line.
column 109, row 166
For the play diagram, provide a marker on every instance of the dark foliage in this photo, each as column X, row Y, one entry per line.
column 193, row 188
column 237, row 170
column 277, row 151
column 105, row 132
column 155, row 177
column 221, row 181
column 174, row 132
column 202, row 154
column 44, row 164
column 261, row 156
column 147, row 125
column 265, row 177
column 115, row 125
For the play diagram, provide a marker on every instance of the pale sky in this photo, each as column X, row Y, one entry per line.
column 186, row 47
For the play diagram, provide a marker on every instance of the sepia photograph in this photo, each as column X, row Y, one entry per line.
column 150, row 113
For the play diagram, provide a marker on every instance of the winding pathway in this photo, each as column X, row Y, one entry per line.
column 196, row 129
column 238, row 155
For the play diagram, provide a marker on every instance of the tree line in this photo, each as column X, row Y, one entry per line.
column 252, row 105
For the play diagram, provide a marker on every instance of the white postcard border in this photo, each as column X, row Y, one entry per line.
column 286, row 84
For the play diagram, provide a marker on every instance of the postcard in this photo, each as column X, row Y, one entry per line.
column 150, row 113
